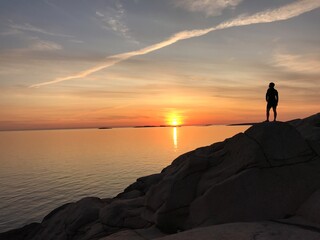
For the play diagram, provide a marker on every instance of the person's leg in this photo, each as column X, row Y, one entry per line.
column 274, row 113
column 268, row 112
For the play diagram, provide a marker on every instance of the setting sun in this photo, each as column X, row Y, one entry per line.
column 174, row 119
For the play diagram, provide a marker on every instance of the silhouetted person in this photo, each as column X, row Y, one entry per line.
column 272, row 99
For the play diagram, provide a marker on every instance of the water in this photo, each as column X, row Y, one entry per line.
column 41, row 170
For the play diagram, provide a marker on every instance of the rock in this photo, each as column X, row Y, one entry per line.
column 24, row 233
column 308, row 127
column 92, row 231
column 280, row 143
column 150, row 233
column 139, row 234
column 265, row 173
column 141, row 186
column 124, row 235
column 130, row 194
column 83, row 214
column 66, row 222
column 310, row 209
column 172, row 196
column 245, row 231
column 124, row 214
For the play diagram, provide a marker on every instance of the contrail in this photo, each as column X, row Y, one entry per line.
column 271, row 15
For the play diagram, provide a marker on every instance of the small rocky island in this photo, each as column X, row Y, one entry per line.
column 260, row 184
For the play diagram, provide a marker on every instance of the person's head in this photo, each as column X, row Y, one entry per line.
column 271, row 85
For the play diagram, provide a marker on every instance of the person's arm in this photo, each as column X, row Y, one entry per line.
column 267, row 96
column 277, row 97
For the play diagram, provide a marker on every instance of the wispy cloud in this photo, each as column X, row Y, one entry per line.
column 35, row 46
column 20, row 28
column 100, row 14
column 297, row 63
column 30, row 28
column 10, row 32
column 283, row 13
column 209, row 7
column 41, row 45
column 113, row 19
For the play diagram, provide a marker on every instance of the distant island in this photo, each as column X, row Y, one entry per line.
column 242, row 124
column 145, row 126
column 154, row 126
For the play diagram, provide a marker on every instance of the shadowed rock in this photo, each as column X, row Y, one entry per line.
column 260, row 184
column 265, row 173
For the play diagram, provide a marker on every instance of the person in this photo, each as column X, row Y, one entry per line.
column 272, row 99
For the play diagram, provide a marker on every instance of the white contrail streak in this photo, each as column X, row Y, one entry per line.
column 283, row 13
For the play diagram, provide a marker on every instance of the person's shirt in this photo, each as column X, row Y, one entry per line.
column 272, row 96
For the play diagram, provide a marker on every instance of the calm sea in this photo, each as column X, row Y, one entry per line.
column 41, row 170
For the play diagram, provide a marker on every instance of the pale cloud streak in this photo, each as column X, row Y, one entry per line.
column 209, row 7
column 10, row 32
column 41, row 45
column 30, row 28
column 297, row 63
column 283, row 13
column 35, row 45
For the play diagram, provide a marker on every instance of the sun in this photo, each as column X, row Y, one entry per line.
column 174, row 122
column 173, row 119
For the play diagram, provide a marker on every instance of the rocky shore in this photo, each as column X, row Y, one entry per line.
column 260, row 184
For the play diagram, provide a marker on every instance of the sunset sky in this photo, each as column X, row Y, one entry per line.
column 93, row 63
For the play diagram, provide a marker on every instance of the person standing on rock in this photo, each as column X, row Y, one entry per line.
column 272, row 99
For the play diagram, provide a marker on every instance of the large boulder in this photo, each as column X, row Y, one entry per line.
column 265, row 173
column 71, row 221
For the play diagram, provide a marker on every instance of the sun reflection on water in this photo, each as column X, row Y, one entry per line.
column 175, row 138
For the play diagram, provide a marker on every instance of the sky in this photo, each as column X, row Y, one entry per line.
column 96, row 63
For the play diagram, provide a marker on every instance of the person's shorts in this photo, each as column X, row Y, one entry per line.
column 271, row 105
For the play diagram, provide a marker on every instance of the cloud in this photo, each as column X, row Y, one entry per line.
column 100, row 14
column 10, row 32
column 35, row 47
column 283, row 13
column 30, row 28
column 297, row 63
column 113, row 19
column 209, row 7
column 42, row 45
column 21, row 28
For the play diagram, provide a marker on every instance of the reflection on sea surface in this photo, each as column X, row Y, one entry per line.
column 175, row 137
column 41, row 170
